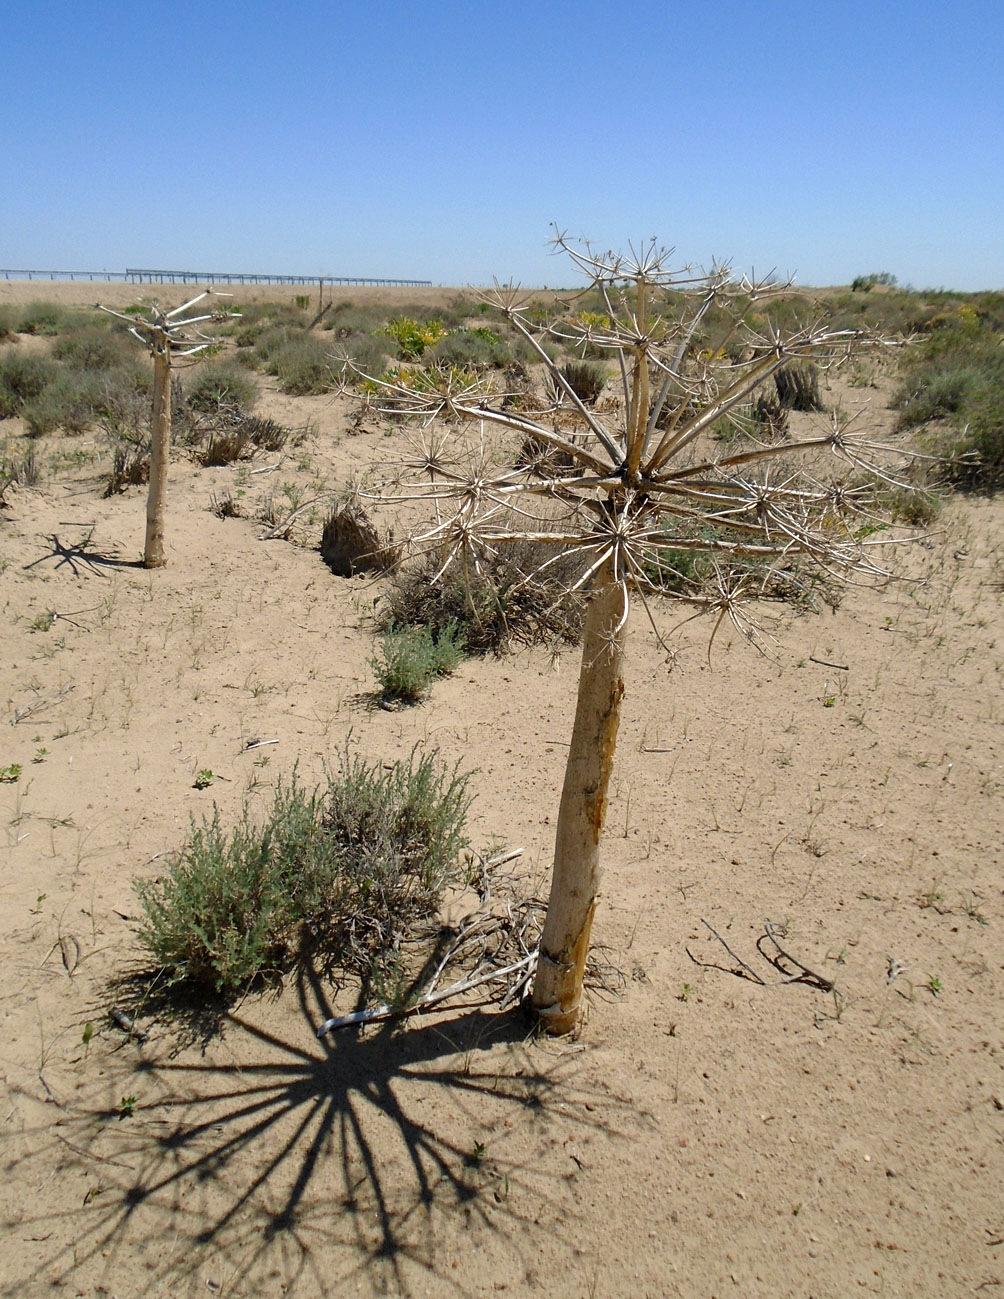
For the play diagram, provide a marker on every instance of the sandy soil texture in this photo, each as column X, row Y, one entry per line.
column 706, row 1134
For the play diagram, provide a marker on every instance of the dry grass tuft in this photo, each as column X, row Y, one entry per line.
column 351, row 544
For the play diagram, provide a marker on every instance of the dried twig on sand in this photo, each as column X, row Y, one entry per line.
column 791, row 969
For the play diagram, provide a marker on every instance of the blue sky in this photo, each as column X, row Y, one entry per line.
column 439, row 140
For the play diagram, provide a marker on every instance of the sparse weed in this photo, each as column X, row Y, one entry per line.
column 932, row 898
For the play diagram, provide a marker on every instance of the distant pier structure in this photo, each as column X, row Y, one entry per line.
column 135, row 275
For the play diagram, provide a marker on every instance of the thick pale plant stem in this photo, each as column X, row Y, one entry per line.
column 160, row 445
column 564, row 945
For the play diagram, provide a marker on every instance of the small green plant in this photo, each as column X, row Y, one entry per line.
column 204, row 779
column 970, row 905
column 10, row 775
column 934, row 985
column 127, row 1106
column 411, row 657
column 476, row 1156
column 40, row 755
column 43, row 621
column 685, row 991
column 87, row 1034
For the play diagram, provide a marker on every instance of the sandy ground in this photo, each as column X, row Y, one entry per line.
column 704, row 1135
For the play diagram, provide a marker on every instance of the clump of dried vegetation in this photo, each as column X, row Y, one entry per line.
column 350, row 542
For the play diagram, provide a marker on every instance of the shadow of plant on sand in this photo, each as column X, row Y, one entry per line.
column 267, row 1163
column 81, row 558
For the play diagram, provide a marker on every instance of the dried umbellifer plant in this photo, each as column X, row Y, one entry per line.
column 644, row 481
column 167, row 335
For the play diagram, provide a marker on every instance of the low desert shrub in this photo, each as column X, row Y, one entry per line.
column 271, row 340
column 303, row 366
column 22, row 470
column 23, row 377
column 222, row 385
column 953, row 384
column 69, row 401
column 770, row 417
column 230, row 434
column 547, row 461
column 865, row 283
column 367, row 354
column 224, row 446
column 470, row 349
column 8, row 323
column 411, row 657
column 224, row 914
column 226, row 506
column 351, row 319
column 45, row 318
column 94, row 346
column 679, row 572
column 125, row 387
column 459, row 309
column 340, row 874
column 916, row 506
